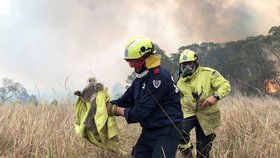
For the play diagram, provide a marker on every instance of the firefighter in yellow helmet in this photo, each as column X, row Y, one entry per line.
column 152, row 100
column 200, row 88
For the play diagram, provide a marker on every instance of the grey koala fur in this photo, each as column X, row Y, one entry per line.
column 89, row 95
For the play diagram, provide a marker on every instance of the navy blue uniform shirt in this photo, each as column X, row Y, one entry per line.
column 140, row 100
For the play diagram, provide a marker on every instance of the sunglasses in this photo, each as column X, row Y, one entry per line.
column 136, row 63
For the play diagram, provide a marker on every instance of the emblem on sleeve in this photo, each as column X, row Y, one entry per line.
column 156, row 83
column 215, row 73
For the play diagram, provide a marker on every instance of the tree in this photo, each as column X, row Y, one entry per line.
column 165, row 60
column 33, row 100
column 13, row 91
column 274, row 30
column 7, row 91
column 174, row 59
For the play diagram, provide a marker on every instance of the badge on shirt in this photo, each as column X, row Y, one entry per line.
column 143, row 86
column 156, row 83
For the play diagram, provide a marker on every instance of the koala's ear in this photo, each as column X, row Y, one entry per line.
column 99, row 86
column 92, row 80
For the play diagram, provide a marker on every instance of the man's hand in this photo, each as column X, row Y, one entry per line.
column 209, row 101
column 111, row 109
column 114, row 110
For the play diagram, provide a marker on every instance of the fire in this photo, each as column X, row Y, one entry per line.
column 271, row 86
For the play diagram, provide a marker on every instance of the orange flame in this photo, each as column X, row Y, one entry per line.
column 271, row 86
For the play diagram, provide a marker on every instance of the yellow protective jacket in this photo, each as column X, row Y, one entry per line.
column 106, row 125
column 205, row 81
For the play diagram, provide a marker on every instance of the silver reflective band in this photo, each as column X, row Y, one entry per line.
column 144, row 73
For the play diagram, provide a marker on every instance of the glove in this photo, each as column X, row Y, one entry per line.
column 112, row 109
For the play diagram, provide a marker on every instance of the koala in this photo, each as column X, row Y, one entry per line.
column 89, row 95
column 90, row 90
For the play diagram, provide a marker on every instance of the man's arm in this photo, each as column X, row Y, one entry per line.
column 221, row 84
column 126, row 100
column 223, row 89
column 152, row 93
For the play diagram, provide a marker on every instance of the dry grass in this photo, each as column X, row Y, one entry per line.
column 250, row 128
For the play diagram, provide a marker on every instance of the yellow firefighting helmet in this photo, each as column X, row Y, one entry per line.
column 138, row 47
column 187, row 55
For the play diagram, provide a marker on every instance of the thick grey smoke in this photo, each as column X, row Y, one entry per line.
column 217, row 21
column 172, row 23
column 43, row 42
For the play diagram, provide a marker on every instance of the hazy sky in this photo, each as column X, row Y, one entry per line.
column 42, row 42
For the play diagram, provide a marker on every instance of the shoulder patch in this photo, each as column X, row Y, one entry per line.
column 156, row 71
column 156, row 83
column 215, row 73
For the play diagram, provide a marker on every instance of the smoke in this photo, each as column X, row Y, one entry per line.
column 45, row 41
column 231, row 20
column 278, row 10
column 172, row 24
